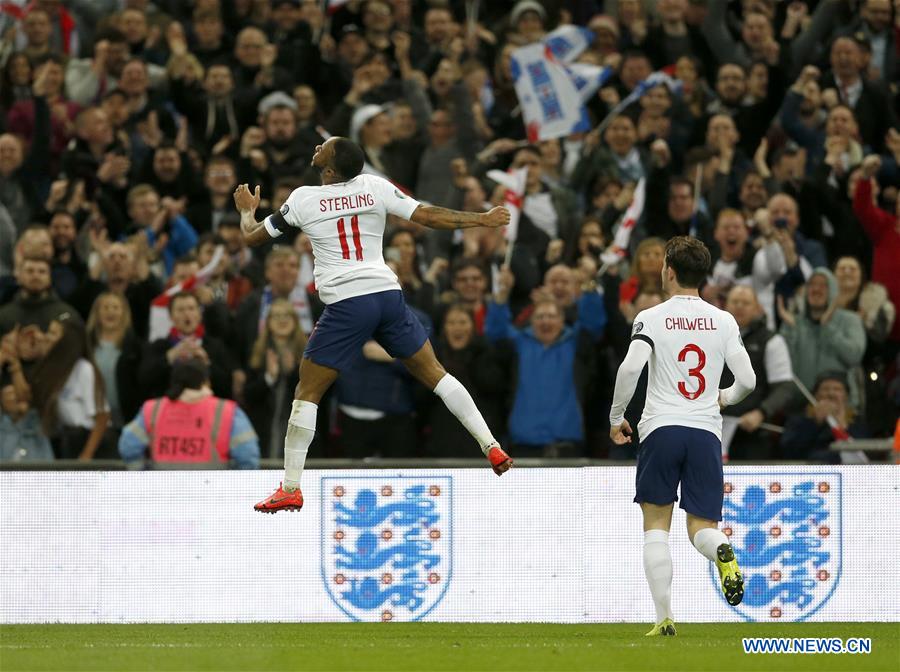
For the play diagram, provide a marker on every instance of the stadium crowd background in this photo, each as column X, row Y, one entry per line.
column 126, row 125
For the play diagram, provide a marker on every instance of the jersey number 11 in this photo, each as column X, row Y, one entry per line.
column 342, row 235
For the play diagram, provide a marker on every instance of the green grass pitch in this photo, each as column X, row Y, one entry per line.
column 429, row 646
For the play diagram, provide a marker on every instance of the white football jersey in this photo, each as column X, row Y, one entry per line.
column 690, row 339
column 345, row 223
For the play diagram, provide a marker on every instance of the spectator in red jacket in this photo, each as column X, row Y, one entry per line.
column 884, row 231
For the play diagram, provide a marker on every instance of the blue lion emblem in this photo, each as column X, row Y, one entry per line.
column 367, row 555
column 366, row 594
column 760, row 592
column 797, row 551
column 367, row 513
column 387, row 549
column 785, row 528
column 754, row 510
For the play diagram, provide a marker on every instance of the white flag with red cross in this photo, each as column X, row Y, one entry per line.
column 514, row 181
column 622, row 238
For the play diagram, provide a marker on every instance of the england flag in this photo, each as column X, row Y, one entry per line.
column 622, row 238
column 514, row 181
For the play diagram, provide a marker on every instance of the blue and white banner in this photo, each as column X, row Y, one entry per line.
column 588, row 78
column 567, row 42
column 551, row 87
column 551, row 104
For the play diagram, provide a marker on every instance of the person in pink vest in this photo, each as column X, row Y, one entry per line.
column 189, row 427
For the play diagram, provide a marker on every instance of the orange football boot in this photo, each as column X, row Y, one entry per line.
column 281, row 500
column 500, row 461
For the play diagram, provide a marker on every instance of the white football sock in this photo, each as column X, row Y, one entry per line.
column 707, row 540
column 658, row 570
column 460, row 403
column 300, row 432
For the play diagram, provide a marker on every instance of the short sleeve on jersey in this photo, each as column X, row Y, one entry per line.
column 639, row 332
column 395, row 201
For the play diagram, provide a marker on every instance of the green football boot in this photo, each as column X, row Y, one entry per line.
column 730, row 575
column 664, row 629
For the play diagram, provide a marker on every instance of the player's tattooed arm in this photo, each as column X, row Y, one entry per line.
column 442, row 218
column 246, row 202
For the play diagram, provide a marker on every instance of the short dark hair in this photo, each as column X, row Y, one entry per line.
column 221, row 159
column 207, row 238
column 690, row 260
column 206, row 15
column 528, row 149
column 633, row 54
column 681, row 182
column 731, row 63
column 837, row 376
column 230, row 221
column 603, row 182
column 166, row 145
column 187, row 374
column 220, row 62
column 48, row 58
column 62, row 211
column 110, row 34
column 348, row 158
column 752, row 172
column 187, row 258
column 179, row 296
column 113, row 93
column 464, row 264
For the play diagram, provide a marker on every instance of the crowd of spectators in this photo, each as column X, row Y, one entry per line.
column 125, row 126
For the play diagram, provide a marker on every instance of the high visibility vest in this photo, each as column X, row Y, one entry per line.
column 197, row 433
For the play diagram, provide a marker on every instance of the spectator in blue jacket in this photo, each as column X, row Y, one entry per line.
column 167, row 231
column 554, row 363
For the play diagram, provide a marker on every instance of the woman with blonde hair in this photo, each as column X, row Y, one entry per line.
column 646, row 274
column 117, row 354
column 272, row 375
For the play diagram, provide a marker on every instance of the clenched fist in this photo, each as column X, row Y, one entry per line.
column 498, row 216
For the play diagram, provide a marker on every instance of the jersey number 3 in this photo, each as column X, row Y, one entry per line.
column 694, row 372
column 342, row 235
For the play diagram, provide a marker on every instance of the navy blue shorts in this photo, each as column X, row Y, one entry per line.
column 692, row 457
column 345, row 326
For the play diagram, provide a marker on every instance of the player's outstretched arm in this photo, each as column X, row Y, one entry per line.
column 442, row 218
column 254, row 232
